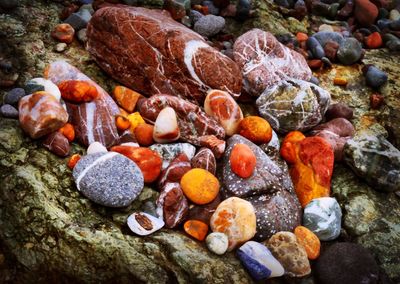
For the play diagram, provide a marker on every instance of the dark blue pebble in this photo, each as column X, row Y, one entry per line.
column 314, row 80
column 13, row 96
column 256, row 270
column 315, row 47
column 375, row 77
column 243, row 8
column 325, row 36
column 384, row 23
column 79, row 20
column 8, row 111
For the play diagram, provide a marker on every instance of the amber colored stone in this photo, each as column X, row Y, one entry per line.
column 126, row 98
column 309, row 241
column 78, row 91
column 315, row 63
column 374, row 40
column 243, row 161
column 68, row 131
column 196, row 229
column 147, row 160
column 256, row 129
column 340, row 81
column 200, row 186
column 135, row 119
column 122, row 122
column 144, row 134
column 63, row 33
column 311, row 165
column 73, row 160
column 301, row 37
column 376, row 101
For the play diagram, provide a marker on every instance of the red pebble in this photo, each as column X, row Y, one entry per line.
column 315, row 63
column 63, row 33
column 243, row 161
column 374, row 40
column 376, row 101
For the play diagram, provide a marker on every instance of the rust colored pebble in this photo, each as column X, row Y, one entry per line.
column 122, row 122
column 126, row 98
column 68, row 131
column 63, row 33
column 376, row 101
column 196, row 229
column 73, row 160
column 301, row 37
column 340, row 81
column 309, row 241
column 78, row 91
column 315, row 63
column 374, row 40
column 144, row 134
column 243, row 161
column 256, row 129
column 200, row 186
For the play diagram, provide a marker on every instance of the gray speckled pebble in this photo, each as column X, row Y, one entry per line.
column 109, row 179
column 209, row 25
column 323, row 217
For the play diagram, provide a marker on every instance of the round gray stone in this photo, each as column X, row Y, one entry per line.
column 109, row 179
column 209, row 25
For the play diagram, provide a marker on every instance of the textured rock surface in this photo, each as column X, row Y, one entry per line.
column 173, row 60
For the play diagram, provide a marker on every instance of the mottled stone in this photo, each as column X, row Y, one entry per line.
column 323, row 217
column 267, row 177
column 48, row 86
column 169, row 151
column 57, row 144
column 265, row 61
column 175, row 170
column 339, row 110
column 375, row 77
column 350, row 51
column 374, row 159
column 13, row 96
column 205, row 159
column 109, row 179
column 174, row 60
column 144, row 224
column 8, row 111
column 209, row 25
column 217, row 146
column 193, row 122
column 217, row 243
column 259, row 261
column 293, row 105
column 346, row 263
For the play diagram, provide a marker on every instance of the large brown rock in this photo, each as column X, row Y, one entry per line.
column 265, row 61
column 193, row 122
column 93, row 121
column 150, row 52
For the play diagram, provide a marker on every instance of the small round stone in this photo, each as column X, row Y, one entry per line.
column 200, row 186
column 375, row 77
column 8, row 111
column 96, row 147
column 209, row 25
column 81, row 35
column 256, row 129
column 13, row 96
column 217, row 243
column 349, row 51
column 60, row 47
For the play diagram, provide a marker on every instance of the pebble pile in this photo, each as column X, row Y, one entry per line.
column 176, row 124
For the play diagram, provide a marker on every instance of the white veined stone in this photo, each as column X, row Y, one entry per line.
column 49, row 87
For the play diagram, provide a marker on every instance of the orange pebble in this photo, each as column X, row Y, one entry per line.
column 288, row 148
column 126, row 98
column 315, row 63
column 123, row 112
column 68, row 131
column 200, row 186
column 78, row 91
column 256, row 129
column 243, row 161
column 144, row 134
column 63, row 33
column 122, row 122
column 309, row 241
column 374, row 40
column 340, row 81
column 301, row 37
column 196, row 229
column 73, row 160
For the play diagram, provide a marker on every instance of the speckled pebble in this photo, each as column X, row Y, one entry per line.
column 217, row 243
column 209, row 25
column 8, row 111
column 13, row 96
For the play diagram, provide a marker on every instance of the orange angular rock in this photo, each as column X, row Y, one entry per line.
column 144, row 134
column 197, row 229
column 73, row 160
column 126, row 98
column 77, row 91
column 311, row 165
column 63, row 33
column 200, row 186
column 309, row 241
column 68, row 131
column 147, row 160
column 243, row 161
column 256, row 129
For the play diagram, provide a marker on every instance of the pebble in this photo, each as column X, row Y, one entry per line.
column 365, row 12
column 339, row 110
column 196, row 229
column 175, row 170
column 394, row 15
column 135, row 119
column 324, row 36
column 8, row 111
column 314, row 80
column 200, row 186
column 209, row 25
column 109, row 179
column 212, row 9
column 346, row 263
column 340, row 81
column 383, row 13
column 315, row 47
column 144, row 134
column 79, row 20
column 96, row 147
column 375, row 77
column 73, row 160
column 223, row 108
column 60, row 47
column 77, row 91
column 203, row 212
column 323, row 217
column 57, row 144
column 205, row 159
column 172, row 205
column 376, row 101
column 63, row 33
column 186, row 21
column 82, row 35
column 326, row 28
column 46, row 85
column 256, row 129
column 331, row 48
column 13, row 96
column 236, row 218
column 177, row 8
column 309, row 241
column 374, row 40
column 350, row 51
column 195, row 16
column 291, row 255
column 166, row 127
column 243, row 10
column 169, row 151
column 144, row 224
column 217, row 243
column 384, row 23
column 242, row 160
column 259, row 261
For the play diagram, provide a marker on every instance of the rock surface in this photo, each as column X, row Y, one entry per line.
column 174, row 60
